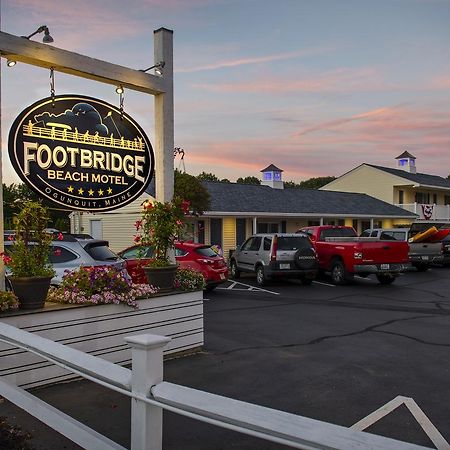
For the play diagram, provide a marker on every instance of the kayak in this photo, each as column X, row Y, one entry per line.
column 439, row 235
column 420, row 237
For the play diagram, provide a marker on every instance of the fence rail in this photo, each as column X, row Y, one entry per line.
column 144, row 383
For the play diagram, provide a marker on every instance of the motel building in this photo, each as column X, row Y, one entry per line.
column 239, row 210
column 424, row 194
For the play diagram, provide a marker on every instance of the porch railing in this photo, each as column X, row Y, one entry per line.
column 150, row 395
column 433, row 212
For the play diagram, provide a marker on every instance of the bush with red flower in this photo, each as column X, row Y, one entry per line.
column 160, row 226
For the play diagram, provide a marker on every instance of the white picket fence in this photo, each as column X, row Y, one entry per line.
column 150, row 395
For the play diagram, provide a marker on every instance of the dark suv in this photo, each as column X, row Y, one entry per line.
column 276, row 255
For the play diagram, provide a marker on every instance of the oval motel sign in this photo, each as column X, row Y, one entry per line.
column 81, row 153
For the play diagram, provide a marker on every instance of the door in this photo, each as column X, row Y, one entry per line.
column 96, row 230
column 216, row 232
column 240, row 231
column 249, row 253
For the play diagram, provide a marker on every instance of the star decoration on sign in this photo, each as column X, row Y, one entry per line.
column 91, row 192
column 109, row 190
column 100, row 192
column 70, row 188
column 80, row 191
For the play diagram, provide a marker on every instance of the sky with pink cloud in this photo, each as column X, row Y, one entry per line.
column 314, row 87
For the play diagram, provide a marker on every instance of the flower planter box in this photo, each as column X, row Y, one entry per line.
column 99, row 330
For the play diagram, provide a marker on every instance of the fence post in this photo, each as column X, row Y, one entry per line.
column 147, row 370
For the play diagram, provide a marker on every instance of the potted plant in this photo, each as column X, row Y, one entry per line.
column 160, row 226
column 30, row 271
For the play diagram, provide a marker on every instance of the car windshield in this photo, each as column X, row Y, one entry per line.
column 293, row 243
column 101, row 252
column 206, row 251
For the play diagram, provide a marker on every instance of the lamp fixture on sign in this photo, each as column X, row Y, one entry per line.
column 119, row 89
column 47, row 39
column 158, row 68
column 11, row 62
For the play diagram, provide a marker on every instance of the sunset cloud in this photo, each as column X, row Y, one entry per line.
column 252, row 60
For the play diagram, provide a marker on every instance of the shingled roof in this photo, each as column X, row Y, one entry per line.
column 418, row 178
column 249, row 198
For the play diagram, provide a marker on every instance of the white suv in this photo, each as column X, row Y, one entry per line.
column 276, row 255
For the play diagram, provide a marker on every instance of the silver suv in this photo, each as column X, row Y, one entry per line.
column 70, row 254
column 276, row 255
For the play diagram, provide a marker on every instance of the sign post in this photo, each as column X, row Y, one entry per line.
column 41, row 55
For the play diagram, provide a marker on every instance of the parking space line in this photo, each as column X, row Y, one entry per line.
column 324, row 284
column 425, row 423
column 249, row 287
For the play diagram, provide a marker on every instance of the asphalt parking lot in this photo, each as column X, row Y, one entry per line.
column 331, row 353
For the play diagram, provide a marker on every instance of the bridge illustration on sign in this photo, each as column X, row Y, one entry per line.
column 82, row 125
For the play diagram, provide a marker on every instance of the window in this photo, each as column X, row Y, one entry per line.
column 435, row 199
column 252, row 244
column 267, row 242
column 101, row 252
column 180, row 252
column 267, row 227
column 61, row 255
column 365, row 224
column 293, row 243
column 205, row 251
column 277, row 176
column 313, row 223
column 365, row 233
column 422, row 197
column 341, row 222
column 336, row 232
column 267, row 176
column 447, row 199
column 401, row 197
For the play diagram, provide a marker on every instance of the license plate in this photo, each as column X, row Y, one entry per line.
column 285, row 266
column 384, row 266
column 222, row 276
column 424, row 258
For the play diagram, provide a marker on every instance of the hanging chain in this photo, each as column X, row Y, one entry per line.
column 121, row 104
column 52, row 85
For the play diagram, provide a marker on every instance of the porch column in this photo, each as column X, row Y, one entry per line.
column 255, row 223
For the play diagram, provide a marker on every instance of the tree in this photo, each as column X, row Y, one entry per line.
column 248, row 180
column 191, row 188
column 207, row 176
column 291, row 185
column 316, row 183
column 16, row 194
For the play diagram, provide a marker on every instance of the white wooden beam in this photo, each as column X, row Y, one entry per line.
column 72, row 429
column 43, row 55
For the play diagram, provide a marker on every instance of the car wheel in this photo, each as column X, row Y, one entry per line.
column 306, row 281
column 338, row 273
column 234, row 271
column 260, row 276
column 385, row 278
column 421, row 267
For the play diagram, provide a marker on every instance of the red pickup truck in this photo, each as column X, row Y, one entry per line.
column 343, row 254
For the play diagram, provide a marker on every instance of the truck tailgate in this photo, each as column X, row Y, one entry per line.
column 383, row 252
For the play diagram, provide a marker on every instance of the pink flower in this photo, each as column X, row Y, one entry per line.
column 138, row 224
column 11, row 237
column 149, row 205
column 60, row 237
column 179, row 222
column 137, row 238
